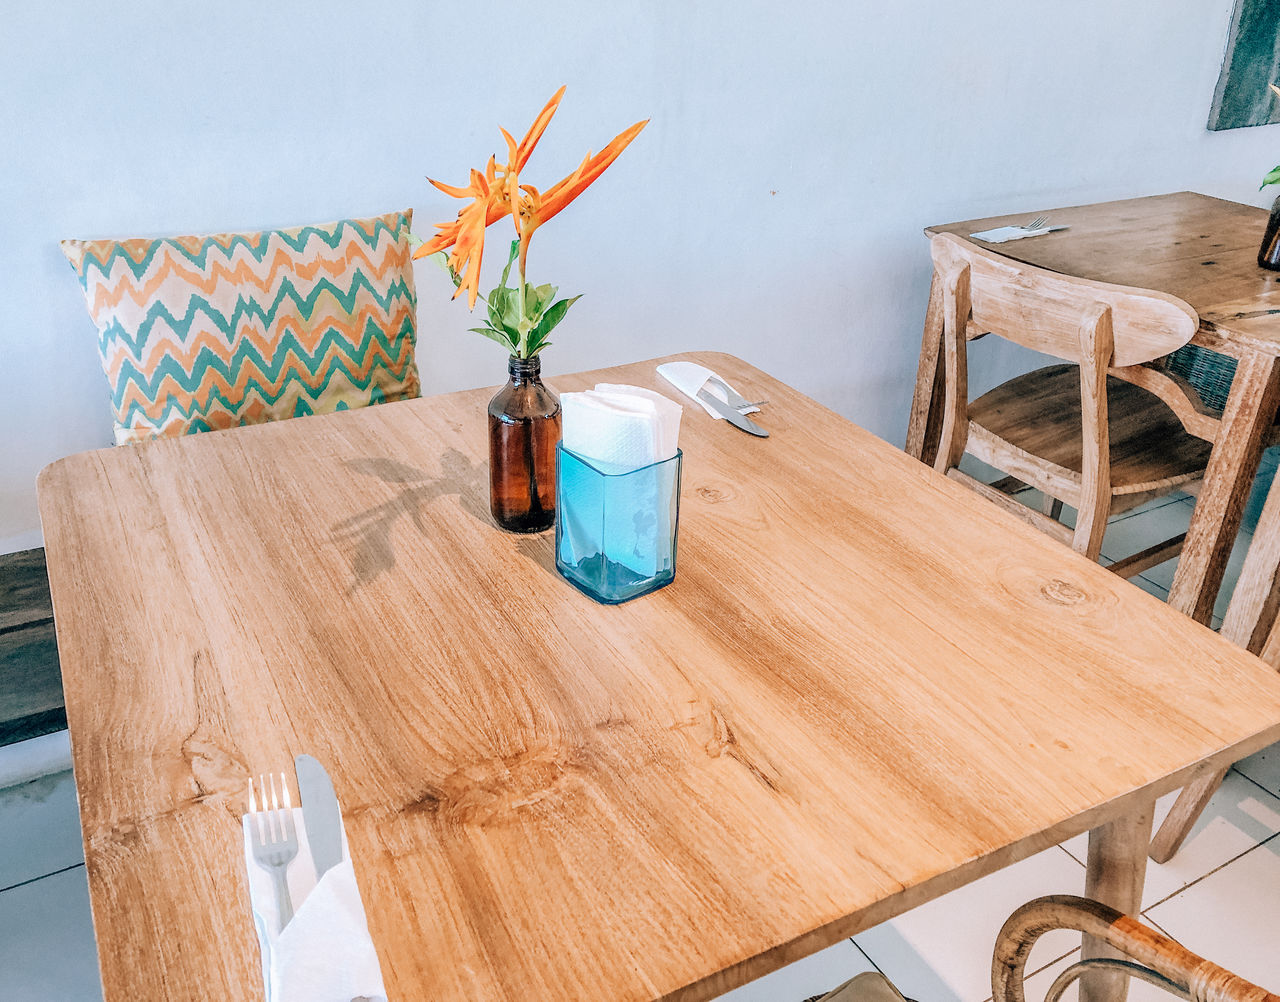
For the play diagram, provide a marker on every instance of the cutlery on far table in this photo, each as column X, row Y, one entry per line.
column 274, row 839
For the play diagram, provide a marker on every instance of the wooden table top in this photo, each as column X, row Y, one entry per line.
column 1203, row 250
column 866, row 686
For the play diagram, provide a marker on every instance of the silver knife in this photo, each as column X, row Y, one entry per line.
column 729, row 414
column 319, row 813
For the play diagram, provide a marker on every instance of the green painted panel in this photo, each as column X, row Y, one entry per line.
column 1252, row 61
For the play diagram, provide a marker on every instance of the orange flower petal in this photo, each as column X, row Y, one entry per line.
column 539, row 126
column 450, row 190
column 565, row 191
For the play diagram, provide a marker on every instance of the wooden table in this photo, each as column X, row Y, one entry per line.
column 848, row 702
column 1204, row 251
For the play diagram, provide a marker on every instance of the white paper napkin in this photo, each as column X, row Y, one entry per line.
column 325, row 953
column 690, row 377
column 1003, row 234
column 620, row 427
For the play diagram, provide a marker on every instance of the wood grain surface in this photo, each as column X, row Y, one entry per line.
column 865, row 687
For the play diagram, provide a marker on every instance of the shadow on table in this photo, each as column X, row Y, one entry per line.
column 368, row 534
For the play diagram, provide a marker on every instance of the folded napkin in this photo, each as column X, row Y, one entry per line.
column 690, row 377
column 617, row 429
column 325, row 953
column 1003, row 234
column 620, row 427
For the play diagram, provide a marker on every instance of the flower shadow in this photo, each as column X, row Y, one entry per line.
column 367, row 534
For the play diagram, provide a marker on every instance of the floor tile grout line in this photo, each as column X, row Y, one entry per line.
column 1156, row 925
column 867, row 957
column 1069, row 855
column 1241, row 772
column 1204, row 876
column 24, row 883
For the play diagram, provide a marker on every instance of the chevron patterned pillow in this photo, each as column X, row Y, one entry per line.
column 205, row 332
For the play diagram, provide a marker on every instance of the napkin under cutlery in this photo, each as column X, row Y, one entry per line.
column 690, row 377
column 325, row 953
column 1003, row 234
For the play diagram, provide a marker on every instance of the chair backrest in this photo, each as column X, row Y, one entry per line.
column 1043, row 310
column 1152, row 957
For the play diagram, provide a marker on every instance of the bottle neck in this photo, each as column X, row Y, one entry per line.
column 524, row 370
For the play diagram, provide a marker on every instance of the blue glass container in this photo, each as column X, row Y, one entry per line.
column 616, row 531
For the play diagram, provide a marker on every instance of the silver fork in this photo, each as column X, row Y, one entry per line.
column 1037, row 223
column 274, row 838
column 732, row 397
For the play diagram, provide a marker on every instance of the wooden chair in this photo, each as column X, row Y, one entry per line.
column 1073, row 431
column 1251, row 622
column 1152, row 957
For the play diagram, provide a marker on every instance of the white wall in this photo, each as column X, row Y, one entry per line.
column 772, row 208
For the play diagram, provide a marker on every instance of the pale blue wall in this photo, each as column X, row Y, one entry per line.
column 773, row 207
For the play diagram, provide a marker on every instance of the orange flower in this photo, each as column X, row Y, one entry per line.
column 534, row 208
column 493, row 194
column 498, row 192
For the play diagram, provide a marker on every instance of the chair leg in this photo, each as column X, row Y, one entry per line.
column 1186, row 811
column 1091, row 526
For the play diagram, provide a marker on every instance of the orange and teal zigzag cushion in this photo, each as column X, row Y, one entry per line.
column 199, row 333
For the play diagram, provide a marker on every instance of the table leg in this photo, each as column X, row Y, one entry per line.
column 1114, row 875
column 925, row 424
column 1251, row 616
column 1249, row 413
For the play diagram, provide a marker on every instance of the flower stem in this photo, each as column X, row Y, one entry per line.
column 524, row 323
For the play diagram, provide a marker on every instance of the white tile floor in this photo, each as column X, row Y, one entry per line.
column 1220, row 895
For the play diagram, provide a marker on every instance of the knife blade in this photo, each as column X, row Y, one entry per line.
column 320, row 813
column 729, row 414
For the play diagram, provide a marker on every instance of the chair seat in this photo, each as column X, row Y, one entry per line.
column 1039, row 413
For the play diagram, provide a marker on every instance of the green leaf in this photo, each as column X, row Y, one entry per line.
column 441, row 260
column 495, row 335
column 548, row 323
column 511, row 256
column 1273, row 177
column 497, row 304
column 415, row 241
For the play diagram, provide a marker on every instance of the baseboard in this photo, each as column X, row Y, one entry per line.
column 36, row 757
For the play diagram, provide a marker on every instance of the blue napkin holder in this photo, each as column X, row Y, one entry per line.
column 616, row 529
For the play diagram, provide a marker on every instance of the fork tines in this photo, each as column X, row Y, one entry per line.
column 274, row 820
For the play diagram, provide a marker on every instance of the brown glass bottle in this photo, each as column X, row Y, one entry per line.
column 524, row 428
column 1269, row 252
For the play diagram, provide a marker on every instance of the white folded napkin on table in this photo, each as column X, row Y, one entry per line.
column 325, row 953
column 617, row 429
column 620, row 427
column 1003, row 234
column 690, row 377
